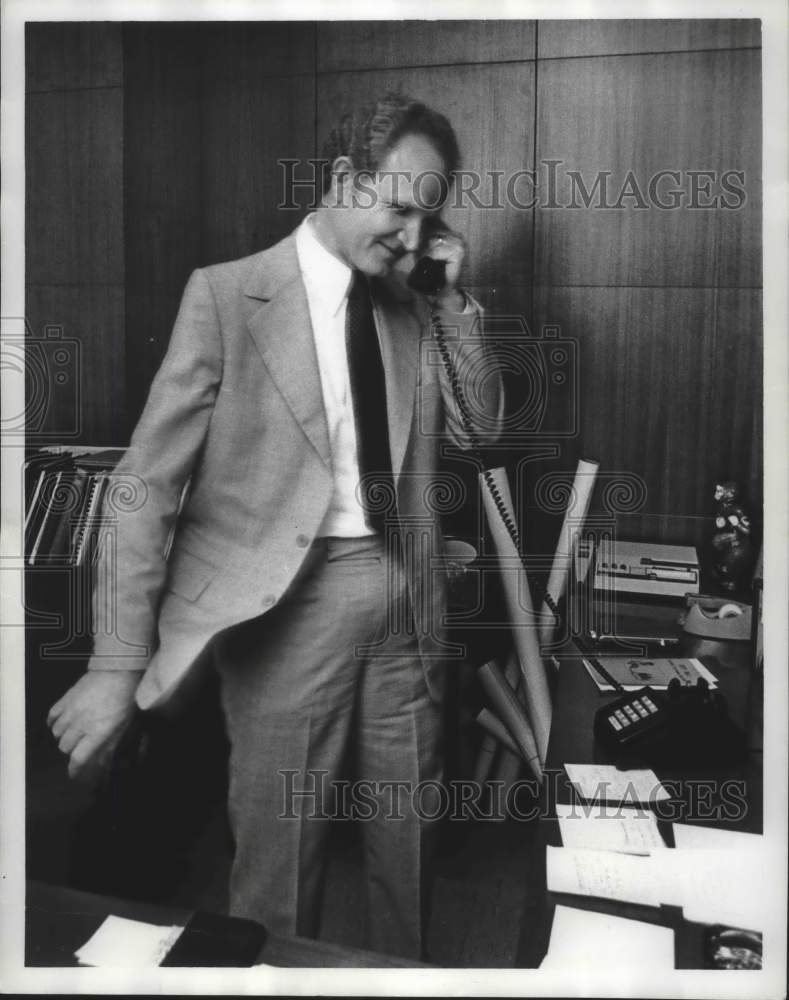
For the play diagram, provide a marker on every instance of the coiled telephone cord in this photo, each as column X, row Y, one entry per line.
column 487, row 475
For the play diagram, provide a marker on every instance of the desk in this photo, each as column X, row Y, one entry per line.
column 60, row 920
column 571, row 742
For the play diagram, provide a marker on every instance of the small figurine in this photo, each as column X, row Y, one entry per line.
column 732, row 549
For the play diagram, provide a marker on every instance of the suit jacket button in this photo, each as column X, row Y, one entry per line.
column 302, row 541
column 268, row 600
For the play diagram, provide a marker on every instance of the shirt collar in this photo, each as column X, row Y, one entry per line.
column 326, row 277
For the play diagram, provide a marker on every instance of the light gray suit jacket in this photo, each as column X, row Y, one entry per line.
column 236, row 411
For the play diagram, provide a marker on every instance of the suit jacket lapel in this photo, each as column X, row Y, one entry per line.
column 400, row 346
column 279, row 322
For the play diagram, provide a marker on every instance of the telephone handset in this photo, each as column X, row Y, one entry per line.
column 429, row 274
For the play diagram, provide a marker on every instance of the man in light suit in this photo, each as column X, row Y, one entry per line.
column 307, row 555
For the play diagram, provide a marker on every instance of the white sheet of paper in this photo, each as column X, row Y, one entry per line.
column 121, row 942
column 718, row 886
column 581, row 938
column 692, row 837
column 606, row 782
column 603, row 873
column 601, row 828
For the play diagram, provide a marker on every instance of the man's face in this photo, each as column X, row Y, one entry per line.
column 382, row 215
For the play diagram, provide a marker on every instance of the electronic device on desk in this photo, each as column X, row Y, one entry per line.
column 632, row 590
column 687, row 726
column 646, row 570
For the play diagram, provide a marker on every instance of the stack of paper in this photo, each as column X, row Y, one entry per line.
column 605, row 874
column 583, row 940
column 608, row 846
column 707, row 838
column 716, row 876
column 129, row 944
column 603, row 828
column 718, row 887
column 719, row 876
column 605, row 783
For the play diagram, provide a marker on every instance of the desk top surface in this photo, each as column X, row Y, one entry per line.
column 572, row 741
column 60, row 920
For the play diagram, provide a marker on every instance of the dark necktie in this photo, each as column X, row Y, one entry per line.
column 368, row 391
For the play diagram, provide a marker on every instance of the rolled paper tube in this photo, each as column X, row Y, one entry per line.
column 484, row 762
column 574, row 518
column 491, row 722
column 513, row 676
column 511, row 713
column 496, row 728
column 512, row 672
column 490, row 741
column 521, row 613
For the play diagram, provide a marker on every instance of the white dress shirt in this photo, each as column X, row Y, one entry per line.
column 327, row 281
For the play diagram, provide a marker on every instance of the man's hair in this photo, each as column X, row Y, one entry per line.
column 367, row 134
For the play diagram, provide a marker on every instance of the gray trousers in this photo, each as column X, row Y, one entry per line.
column 332, row 669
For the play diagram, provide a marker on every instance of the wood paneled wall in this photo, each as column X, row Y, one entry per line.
column 162, row 190
column 210, row 109
column 663, row 304
column 74, row 248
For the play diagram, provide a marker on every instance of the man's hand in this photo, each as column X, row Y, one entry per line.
column 90, row 718
column 451, row 248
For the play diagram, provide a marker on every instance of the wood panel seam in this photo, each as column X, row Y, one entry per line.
column 648, row 52
column 74, row 90
column 690, row 288
column 412, row 66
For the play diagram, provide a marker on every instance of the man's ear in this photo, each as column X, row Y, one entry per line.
column 342, row 170
column 342, row 173
column 343, row 165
